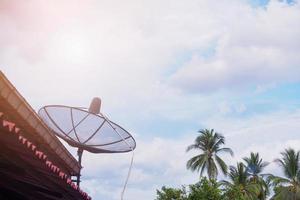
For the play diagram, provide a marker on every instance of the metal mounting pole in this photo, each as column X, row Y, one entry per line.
column 79, row 153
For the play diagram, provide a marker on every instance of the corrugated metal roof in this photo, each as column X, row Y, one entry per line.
column 13, row 102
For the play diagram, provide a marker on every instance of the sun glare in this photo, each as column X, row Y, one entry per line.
column 73, row 47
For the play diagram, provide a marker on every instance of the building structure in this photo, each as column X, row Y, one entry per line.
column 34, row 164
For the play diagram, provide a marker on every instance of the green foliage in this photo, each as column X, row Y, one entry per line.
column 171, row 194
column 240, row 185
column 205, row 190
column 286, row 193
column 210, row 144
column 233, row 193
column 245, row 181
column 288, row 187
column 255, row 166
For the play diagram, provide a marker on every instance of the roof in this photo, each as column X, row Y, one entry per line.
column 29, row 173
column 12, row 103
column 34, row 164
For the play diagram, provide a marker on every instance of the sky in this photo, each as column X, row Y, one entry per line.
column 164, row 70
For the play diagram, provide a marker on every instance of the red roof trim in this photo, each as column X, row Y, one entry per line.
column 13, row 129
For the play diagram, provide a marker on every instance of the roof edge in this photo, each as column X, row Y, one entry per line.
column 22, row 107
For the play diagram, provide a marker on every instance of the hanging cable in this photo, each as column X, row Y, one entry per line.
column 128, row 175
column 132, row 156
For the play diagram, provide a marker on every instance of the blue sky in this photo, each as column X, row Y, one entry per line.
column 264, row 3
column 164, row 70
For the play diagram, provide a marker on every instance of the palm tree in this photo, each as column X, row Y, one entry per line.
column 239, row 185
column 288, row 188
column 255, row 165
column 210, row 145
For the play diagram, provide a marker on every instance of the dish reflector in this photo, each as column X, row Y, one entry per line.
column 87, row 129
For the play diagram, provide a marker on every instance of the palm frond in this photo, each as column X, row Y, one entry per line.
column 195, row 162
column 276, row 180
column 192, row 146
column 222, row 165
column 209, row 143
column 226, row 150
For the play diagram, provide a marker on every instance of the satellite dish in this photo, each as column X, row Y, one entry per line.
column 87, row 129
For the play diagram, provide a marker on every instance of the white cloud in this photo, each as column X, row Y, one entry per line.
column 161, row 161
column 129, row 53
column 257, row 46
